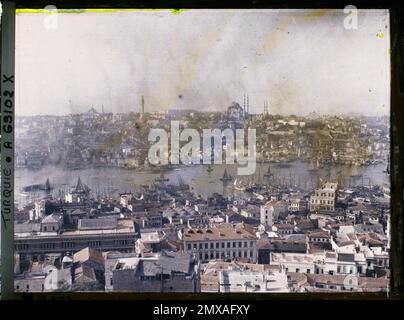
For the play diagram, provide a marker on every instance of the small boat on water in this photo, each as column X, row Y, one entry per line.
column 22, row 194
column 161, row 178
column 209, row 169
column 284, row 165
column 38, row 187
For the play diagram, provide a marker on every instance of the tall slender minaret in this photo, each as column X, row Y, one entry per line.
column 142, row 105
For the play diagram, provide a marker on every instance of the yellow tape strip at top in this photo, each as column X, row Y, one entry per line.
column 54, row 11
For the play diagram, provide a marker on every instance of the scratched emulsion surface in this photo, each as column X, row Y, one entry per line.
column 91, row 84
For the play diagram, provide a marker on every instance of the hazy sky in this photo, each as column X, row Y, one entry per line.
column 298, row 61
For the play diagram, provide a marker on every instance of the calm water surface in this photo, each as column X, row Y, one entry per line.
column 113, row 181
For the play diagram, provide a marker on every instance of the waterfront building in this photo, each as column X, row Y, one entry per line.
column 324, row 198
column 103, row 234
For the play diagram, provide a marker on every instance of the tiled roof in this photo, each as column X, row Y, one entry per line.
column 99, row 224
column 166, row 263
column 225, row 231
column 88, row 254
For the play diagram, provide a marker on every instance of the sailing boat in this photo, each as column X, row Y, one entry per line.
column 269, row 174
column 38, row 187
column 319, row 165
column 258, row 177
column 355, row 171
column 226, row 177
column 161, row 178
column 313, row 167
column 388, row 165
column 182, row 184
column 47, row 185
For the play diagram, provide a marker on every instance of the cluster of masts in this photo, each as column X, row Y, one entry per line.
column 266, row 107
column 246, row 104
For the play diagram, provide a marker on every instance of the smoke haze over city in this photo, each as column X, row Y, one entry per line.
column 296, row 61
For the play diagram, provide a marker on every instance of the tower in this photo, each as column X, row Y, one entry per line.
column 142, row 105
